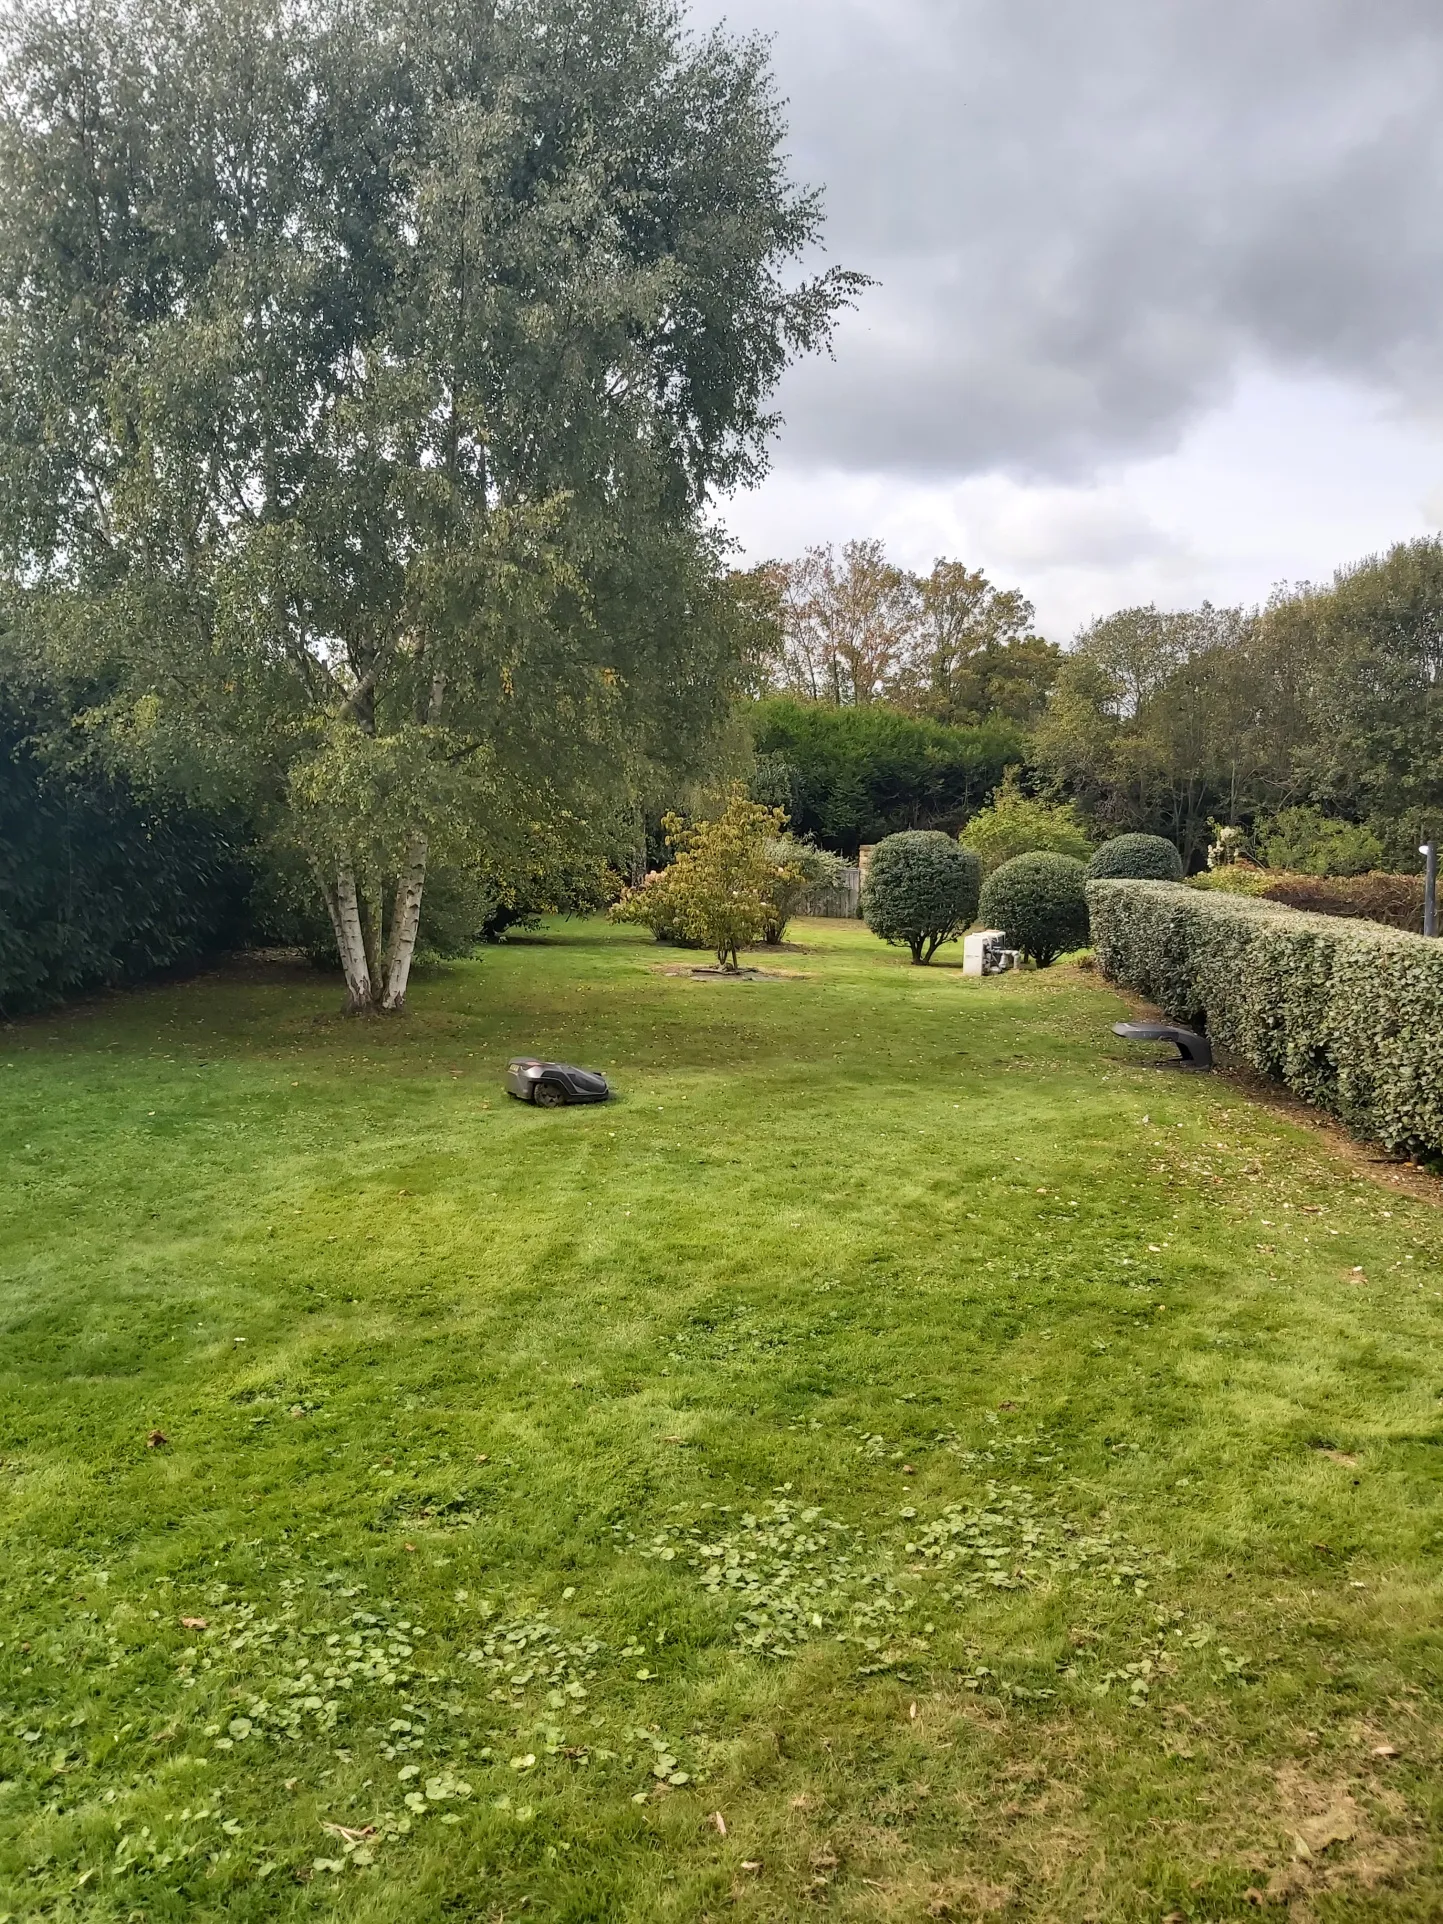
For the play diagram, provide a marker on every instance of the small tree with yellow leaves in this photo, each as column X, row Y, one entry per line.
column 725, row 877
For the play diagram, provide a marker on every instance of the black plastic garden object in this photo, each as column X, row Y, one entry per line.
column 1194, row 1050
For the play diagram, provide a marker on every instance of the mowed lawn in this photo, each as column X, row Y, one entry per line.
column 904, row 1458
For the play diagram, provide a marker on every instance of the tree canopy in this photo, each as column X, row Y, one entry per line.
column 363, row 378
column 852, row 628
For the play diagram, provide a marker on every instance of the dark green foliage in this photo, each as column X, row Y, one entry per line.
column 1348, row 1015
column 1140, row 858
column 922, row 890
column 99, row 885
column 855, row 775
column 1039, row 901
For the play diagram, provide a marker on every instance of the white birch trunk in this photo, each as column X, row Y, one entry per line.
column 405, row 924
column 350, row 941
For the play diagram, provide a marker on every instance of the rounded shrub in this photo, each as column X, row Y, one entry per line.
column 922, row 890
column 1038, row 901
column 1136, row 858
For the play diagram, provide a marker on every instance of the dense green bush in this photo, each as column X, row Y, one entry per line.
column 1308, row 842
column 1039, row 902
column 99, row 884
column 1138, row 858
column 1347, row 1015
column 852, row 775
column 1014, row 823
column 921, row 890
column 800, row 867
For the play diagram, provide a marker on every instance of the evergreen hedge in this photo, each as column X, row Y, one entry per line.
column 851, row 775
column 1348, row 1015
column 98, row 885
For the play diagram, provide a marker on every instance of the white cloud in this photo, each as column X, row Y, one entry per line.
column 1160, row 300
column 1286, row 481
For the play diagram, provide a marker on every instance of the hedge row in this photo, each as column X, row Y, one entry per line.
column 1348, row 1015
column 98, row 886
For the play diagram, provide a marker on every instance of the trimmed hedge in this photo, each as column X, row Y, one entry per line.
column 1040, row 904
column 1348, row 1015
column 1137, row 858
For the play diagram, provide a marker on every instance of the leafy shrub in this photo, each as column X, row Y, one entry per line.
column 1237, row 878
column 921, row 890
column 652, row 905
column 804, row 867
column 99, row 883
column 1394, row 900
column 1347, row 1015
column 1308, row 842
column 1016, row 824
column 1039, row 901
column 719, row 891
column 1139, row 858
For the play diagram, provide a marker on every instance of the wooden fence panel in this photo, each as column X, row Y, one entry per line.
column 845, row 900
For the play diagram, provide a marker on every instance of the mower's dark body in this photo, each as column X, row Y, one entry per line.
column 550, row 1084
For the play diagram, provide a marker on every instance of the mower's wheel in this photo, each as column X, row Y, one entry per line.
column 549, row 1095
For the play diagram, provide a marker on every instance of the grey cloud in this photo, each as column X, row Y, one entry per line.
column 1085, row 216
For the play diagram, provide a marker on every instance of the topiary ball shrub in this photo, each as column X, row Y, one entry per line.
column 922, row 890
column 1038, row 901
column 1136, row 858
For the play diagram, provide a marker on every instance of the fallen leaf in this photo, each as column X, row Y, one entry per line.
column 1334, row 1826
column 195, row 1623
column 718, row 1823
column 156, row 1440
column 912, row 1713
column 351, row 1836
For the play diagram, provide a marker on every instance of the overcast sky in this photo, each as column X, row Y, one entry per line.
column 1159, row 301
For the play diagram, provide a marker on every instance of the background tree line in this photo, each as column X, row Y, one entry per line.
column 1312, row 725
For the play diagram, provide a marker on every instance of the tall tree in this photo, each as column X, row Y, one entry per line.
column 1155, row 723
column 848, row 623
column 1373, row 648
column 974, row 653
column 363, row 378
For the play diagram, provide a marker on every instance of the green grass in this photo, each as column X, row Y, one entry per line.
column 1063, row 1439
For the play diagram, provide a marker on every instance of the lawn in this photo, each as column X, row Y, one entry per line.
column 906, row 1457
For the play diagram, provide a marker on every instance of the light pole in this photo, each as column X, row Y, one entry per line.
column 1429, row 851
